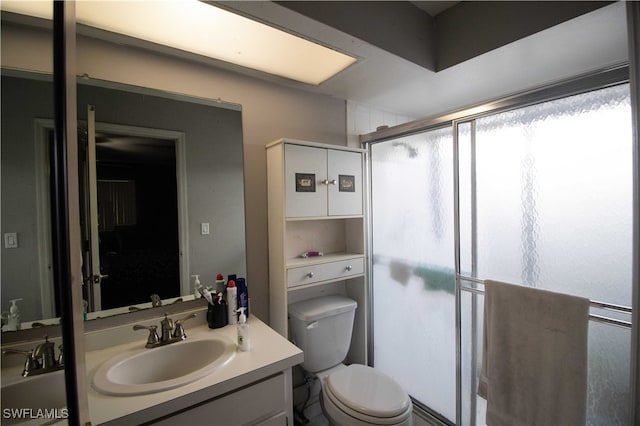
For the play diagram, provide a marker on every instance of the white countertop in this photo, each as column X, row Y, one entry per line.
column 270, row 353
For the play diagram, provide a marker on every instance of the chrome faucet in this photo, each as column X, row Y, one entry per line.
column 40, row 360
column 170, row 331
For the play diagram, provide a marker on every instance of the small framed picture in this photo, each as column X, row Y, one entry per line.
column 305, row 182
column 346, row 183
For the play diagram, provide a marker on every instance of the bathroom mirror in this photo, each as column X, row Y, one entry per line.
column 170, row 195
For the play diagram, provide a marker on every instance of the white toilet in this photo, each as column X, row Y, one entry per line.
column 351, row 395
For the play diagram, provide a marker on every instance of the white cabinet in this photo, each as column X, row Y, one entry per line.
column 262, row 403
column 322, row 182
column 315, row 197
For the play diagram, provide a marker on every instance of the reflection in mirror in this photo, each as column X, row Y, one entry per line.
column 165, row 164
column 27, row 267
column 129, row 208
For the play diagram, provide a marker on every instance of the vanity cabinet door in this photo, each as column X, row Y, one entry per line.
column 305, row 173
column 263, row 402
column 344, row 172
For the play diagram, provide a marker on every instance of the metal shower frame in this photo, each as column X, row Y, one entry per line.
column 607, row 77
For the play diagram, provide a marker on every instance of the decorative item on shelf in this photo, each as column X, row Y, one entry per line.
column 311, row 254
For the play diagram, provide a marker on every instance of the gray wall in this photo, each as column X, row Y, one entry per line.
column 20, row 266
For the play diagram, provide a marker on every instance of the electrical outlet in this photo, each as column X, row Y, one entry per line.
column 204, row 228
column 11, row 240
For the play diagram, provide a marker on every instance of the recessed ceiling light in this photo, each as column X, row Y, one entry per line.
column 207, row 30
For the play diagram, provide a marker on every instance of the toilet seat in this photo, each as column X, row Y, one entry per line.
column 367, row 395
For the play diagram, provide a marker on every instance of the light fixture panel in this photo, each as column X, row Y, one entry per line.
column 206, row 30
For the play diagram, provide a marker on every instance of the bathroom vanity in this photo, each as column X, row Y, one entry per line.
column 250, row 388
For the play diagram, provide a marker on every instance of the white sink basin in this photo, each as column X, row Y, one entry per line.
column 28, row 398
column 144, row 371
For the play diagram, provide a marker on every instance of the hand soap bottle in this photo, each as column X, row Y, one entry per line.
column 13, row 320
column 196, row 286
column 243, row 332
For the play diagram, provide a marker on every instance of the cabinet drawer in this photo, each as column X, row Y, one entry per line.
column 325, row 271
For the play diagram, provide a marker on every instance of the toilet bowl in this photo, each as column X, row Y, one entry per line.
column 357, row 395
column 354, row 395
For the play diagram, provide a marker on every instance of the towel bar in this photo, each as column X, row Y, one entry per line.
column 592, row 303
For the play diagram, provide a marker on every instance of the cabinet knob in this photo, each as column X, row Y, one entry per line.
column 325, row 182
column 349, row 267
column 310, row 275
column 333, row 181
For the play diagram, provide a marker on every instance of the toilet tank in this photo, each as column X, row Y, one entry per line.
column 322, row 328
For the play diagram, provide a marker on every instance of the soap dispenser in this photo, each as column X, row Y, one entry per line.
column 13, row 320
column 196, row 286
column 243, row 332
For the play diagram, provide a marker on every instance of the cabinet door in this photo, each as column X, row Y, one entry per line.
column 263, row 402
column 305, row 173
column 345, row 183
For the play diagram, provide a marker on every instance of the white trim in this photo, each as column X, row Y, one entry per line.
column 42, row 129
column 181, row 185
column 94, row 279
column 183, row 216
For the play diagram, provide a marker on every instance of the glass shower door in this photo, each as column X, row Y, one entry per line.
column 413, row 266
column 545, row 201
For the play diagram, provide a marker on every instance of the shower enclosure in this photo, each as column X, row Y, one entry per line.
column 536, row 191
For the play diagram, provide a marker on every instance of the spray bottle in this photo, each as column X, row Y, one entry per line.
column 232, row 301
column 243, row 332
column 219, row 288
column 243, row 295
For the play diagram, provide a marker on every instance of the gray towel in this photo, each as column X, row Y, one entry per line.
column 534, row 364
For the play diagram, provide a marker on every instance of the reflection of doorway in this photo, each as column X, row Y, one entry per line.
column 137, row 215
column 137, row 219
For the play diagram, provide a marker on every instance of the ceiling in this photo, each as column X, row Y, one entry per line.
column 434, row 7
column 565, row 44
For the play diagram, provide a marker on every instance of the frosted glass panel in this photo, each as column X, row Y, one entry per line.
column 474, row 408
column 553, row 191
column 554, row 195
column 413, row 272
column 545, row 200
column 608, row 397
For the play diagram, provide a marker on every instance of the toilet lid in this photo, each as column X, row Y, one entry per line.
column 368, row 391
